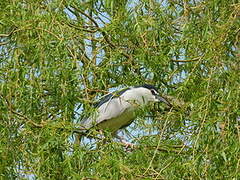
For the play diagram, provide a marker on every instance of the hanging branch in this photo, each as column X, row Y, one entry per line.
column 189, row 60
column 21, row 116
column 104, row 34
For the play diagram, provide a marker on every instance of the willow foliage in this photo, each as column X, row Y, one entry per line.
column 57, row 57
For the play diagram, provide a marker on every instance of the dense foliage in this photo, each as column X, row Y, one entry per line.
column 58, row 56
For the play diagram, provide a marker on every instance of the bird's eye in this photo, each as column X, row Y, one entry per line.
column 153, row 92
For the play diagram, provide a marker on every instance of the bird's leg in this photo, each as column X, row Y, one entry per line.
column 103, row 138
column 124, row 141
column 77, row 139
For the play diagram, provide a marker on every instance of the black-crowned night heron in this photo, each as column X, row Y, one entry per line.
column 117, row 110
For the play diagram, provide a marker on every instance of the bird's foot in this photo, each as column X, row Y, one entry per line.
column 128, row 145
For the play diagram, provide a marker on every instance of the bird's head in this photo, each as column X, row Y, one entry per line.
column 149, row 93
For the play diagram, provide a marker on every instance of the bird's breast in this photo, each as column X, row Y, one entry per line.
column 118, row 122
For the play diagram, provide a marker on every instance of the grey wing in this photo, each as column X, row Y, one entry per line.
column 110, row 109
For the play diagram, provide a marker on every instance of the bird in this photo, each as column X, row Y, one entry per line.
column 116, row 110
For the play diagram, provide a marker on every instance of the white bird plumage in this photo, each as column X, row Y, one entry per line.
column 116, row 111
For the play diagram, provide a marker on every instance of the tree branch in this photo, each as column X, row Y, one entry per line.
column 190, row 60
column 9, row 107
column 4, row 43
column 104, row 34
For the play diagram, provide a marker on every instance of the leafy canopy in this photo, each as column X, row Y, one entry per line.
column 56, row 57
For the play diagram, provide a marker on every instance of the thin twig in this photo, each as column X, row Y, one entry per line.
column 158, row 145
column 171, row 161
column 190, row 60
column 105, row 35
column 59, row 38
column 19, row 114
column 4, row 43
column 9, row 34
column 89, row 17
column 27, row 120
column 79, row 28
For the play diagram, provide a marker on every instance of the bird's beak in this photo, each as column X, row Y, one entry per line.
column 161, row 99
